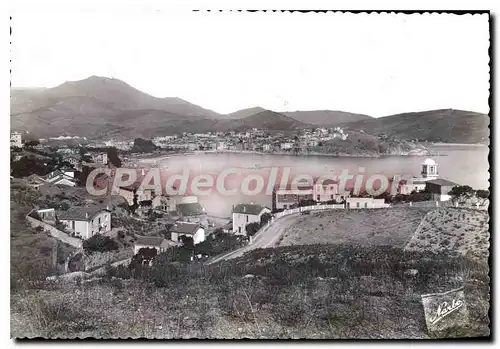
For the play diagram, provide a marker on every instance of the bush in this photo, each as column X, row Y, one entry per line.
column 252, row 228
column 99, row 243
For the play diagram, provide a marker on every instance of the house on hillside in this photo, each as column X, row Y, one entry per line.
column 160, row 244
column 47, row 215
column 193, row 230
column 429, row 172
column 16, row 140
column 35, row 181
column 130, row 191
column 86, row 222
column 356, row 203
column 247, row 213
column 291, row 196
column 63, row 176
column 439, row 189
column 191, row 212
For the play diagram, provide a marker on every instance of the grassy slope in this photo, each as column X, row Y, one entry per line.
column 315, row 291
column 465, row 231
column 310, row 291
column 392, row 227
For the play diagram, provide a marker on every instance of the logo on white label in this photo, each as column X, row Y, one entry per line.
column 445, row 309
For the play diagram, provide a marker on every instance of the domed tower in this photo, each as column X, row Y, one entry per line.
column 429, row 169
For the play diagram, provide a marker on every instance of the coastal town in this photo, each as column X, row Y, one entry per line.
column 283, row 185
column 58, row 167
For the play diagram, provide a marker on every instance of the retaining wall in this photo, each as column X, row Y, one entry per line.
column 56, row 233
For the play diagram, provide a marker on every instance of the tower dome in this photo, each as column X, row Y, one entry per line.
column 429, row 169
column 429, row 162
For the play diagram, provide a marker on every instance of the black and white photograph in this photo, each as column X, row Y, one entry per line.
column 199, row 174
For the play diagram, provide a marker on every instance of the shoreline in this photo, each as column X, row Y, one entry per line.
column 159, row 157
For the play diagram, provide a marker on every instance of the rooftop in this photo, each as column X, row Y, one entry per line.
column 190, row 209
column 81, row 213
column 150, row 240
column 442, row 182
column 253, row 209
column 185, row 227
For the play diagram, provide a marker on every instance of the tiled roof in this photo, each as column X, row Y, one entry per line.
column 80, row 213
column 149, row 240
column 248, row 209
column 190, row 209
column 442, row 182
column 185, row 227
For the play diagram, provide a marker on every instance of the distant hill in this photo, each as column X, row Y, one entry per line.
column 95, row 106
column 100, row 107
column 444, row 125
column 270, row 120
column 243, row 113
column 326, row 118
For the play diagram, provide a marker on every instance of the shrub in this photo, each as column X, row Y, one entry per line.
column 252, row 228
column 99, row 243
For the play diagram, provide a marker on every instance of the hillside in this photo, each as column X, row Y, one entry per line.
column 326, row 118
column 243, row 113
column 444, row 125
column 101, row 107
column 96, row 106
column 315, row 291
column 115, row 93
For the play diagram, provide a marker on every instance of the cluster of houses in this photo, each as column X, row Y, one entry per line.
column 191, row 219
column 253, row 140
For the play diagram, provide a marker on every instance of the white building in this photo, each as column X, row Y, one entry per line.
column 244, row 214
column 61, row 177
column 86, row 222
column 267, row 147
column 429, row 172
column 16, row 140
column 221, row 146
column 286, row 145
column 365, row 203
column 440, row 189
column 193, row 230
column 101, row 158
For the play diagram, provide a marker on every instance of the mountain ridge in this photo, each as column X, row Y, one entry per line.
column 103, row 107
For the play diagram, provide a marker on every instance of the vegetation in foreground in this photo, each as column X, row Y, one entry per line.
column 314, row 291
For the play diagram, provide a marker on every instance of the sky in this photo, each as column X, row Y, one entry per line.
column 375, row 64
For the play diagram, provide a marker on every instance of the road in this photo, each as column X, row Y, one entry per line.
column 264, row 239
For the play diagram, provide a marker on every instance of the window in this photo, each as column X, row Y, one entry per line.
column 331, row 196
column 99, row 220
column 357, row 204
column 318, row 198
column 366, row 205
column 247, row 219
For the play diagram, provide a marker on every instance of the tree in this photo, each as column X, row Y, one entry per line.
column 99, row 243
column 252, row 228
column 113, row 156
column 483, row 195
column 31, row 144
column 27, row 166
column 303, row 203
column 187, row 242
column 266, row 217
column 143, row 146
column 461, row 192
